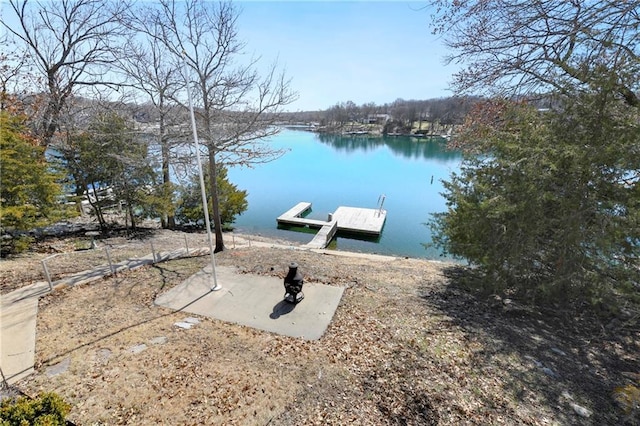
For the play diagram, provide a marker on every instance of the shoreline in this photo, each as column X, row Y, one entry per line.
column 337, row 252
column 72, row 253
column 79, row 227
column 286, row 243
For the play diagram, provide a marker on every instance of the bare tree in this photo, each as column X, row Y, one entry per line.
column 69, row 43
column 149, row 73
column 524, row 46
column 236, row 106
column 12, row 76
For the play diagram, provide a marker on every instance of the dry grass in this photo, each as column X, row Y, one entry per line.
column 66, row 256
column 406, row 346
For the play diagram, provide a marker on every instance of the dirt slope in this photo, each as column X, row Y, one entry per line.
column 406, row 346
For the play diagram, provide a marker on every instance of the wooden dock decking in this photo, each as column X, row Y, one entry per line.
column 293, row 216
column 359, row 220
column 345, row 219
column 324, row 236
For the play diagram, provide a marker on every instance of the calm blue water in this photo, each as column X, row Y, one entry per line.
column 331, row 171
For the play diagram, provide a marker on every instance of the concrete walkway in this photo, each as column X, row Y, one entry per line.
column 19, row 310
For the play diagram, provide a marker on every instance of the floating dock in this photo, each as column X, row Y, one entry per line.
column 353, row 220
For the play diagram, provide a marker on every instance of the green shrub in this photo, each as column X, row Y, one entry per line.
column 10, row 245
column 48, row 409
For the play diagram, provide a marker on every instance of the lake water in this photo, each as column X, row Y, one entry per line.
column 331, row 171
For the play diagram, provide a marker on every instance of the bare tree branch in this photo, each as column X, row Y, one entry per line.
column 235, row 106
column 70, row 45
column 512, row 47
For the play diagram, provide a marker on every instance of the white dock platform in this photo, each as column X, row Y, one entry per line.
column 359, row 220
column 293, row 216
column 353, row 220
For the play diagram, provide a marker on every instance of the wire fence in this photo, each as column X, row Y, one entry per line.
column 109, row 258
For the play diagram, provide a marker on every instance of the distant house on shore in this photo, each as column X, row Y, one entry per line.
column 378, row 118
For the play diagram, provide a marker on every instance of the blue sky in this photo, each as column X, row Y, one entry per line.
column 335, row 51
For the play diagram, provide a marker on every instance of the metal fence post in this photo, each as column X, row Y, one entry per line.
column 153, row 251
column 5, row 384
column 113, row 269
column 46, row 274
column 186, row 244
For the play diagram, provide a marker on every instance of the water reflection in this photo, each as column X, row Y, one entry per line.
column 405, row 146
column 332, row 170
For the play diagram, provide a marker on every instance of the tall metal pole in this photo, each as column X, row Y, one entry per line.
column 207, row 223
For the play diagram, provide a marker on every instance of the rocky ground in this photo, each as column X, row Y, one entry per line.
column 407, row 345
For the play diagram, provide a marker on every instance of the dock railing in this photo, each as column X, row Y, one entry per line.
column 381, row 199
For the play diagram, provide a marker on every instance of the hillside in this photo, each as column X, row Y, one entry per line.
column 408, row 345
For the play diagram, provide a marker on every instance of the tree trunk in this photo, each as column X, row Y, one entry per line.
column 131, row 216
column 164, row 217
column 79, row 194
column 96, row 207
column 168, row 220
column 217, row 225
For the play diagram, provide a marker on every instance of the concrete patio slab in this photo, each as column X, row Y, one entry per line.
column 255, row 301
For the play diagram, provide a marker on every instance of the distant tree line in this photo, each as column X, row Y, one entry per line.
column 445, row 111
column 431, row 116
